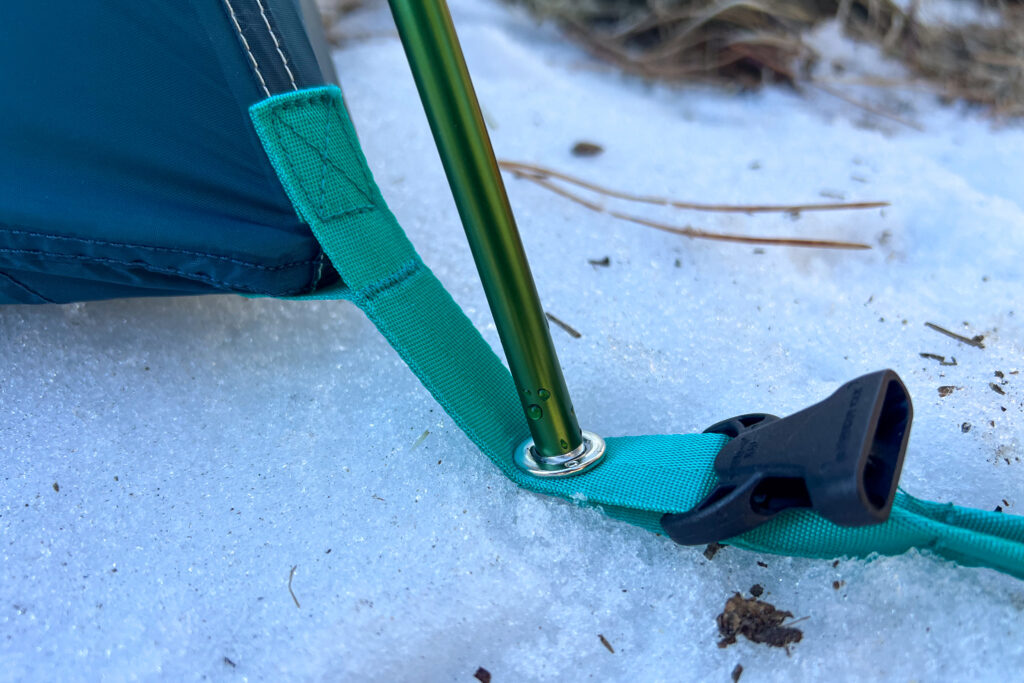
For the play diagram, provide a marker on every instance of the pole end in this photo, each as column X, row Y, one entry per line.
column 587, row 456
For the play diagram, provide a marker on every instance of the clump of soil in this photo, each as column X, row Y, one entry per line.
column 587, row 149
column 712, row 550
column 758, row 621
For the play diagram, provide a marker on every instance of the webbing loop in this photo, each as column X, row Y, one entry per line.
column 313, row 147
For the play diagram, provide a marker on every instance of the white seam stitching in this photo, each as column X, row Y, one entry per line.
column 248, row 50
column 277, row 45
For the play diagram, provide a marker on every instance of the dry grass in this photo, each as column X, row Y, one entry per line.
column 751, row 42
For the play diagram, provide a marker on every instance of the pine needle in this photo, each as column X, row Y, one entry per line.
column 536, row 172
column 539, row 176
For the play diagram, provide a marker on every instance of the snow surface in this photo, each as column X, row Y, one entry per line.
column 203, row 447
column 951, row 12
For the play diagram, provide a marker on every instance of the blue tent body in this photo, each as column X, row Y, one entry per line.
column 128, row 162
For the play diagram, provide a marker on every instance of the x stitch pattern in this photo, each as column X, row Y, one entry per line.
column 343, row 142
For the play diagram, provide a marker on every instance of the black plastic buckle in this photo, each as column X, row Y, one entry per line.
column 841, row 457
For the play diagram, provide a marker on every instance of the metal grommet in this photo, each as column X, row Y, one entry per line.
column 586, row 456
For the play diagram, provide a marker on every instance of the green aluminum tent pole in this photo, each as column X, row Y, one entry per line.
column 559, row 447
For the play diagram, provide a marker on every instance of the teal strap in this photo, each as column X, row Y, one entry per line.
column 312, row 145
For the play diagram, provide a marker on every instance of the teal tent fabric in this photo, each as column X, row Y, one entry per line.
column 128, row 165
column 311, row 143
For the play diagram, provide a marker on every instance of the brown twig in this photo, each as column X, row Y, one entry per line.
column 722, row 237
column 564, row 325
column 537, row 172
column 975, row 341
column 690, row 231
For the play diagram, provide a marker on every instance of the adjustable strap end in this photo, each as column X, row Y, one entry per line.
column 841, row 457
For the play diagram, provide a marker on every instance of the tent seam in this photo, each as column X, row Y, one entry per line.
column 169, row 250
column 245, row 43
column 277, row 45
column 148, row 266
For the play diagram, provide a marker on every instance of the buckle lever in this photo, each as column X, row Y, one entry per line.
column 841, row 457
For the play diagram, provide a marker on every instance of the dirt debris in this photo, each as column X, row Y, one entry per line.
column 757, row 621
column 942, row 359
column 587, row 149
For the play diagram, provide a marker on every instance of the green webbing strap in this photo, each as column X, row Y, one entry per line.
column 311, row 143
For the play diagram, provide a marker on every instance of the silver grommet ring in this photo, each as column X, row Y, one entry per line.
column 585, row 457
